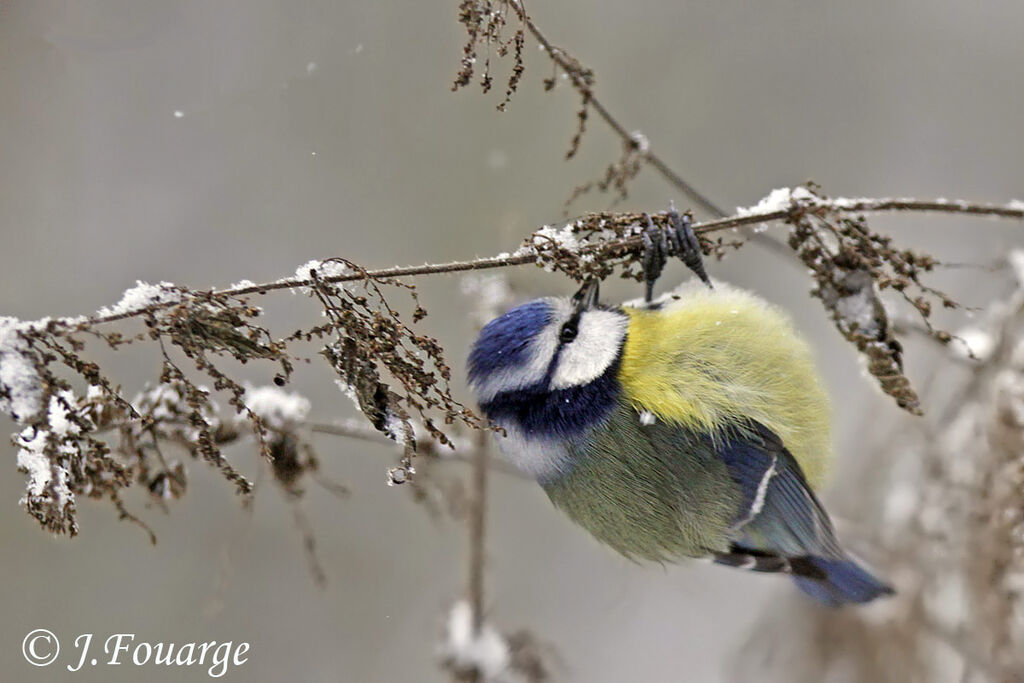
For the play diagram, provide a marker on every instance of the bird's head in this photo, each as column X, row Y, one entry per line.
column 547, row 365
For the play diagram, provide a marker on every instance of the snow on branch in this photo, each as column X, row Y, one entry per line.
column 473, row 650
column 79, row 435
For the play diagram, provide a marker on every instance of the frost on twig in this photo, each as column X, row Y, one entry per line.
column 80, row 436
column 21, row 392
column 851, row 265
column 595, row 245
column 484, row 651
column 397, row 377
column 481, row 653
column 371, row 335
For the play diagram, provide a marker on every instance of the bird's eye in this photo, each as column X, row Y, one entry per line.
column 569, row 331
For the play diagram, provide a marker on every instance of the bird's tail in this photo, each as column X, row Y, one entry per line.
column 836, row 582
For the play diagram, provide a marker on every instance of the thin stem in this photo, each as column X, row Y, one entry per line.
column 368, row 433
column 675, row 179
column 1014, row 210
column 477, row 528
column 587, row 92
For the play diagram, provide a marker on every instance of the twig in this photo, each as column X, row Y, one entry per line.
column 368, row 433
column 586, row 91
column 1014, row 210
column 477, row 529
column 849, row 263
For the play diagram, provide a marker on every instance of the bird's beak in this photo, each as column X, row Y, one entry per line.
column 587, row 295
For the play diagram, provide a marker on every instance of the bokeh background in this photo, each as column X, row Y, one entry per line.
column 203, row 143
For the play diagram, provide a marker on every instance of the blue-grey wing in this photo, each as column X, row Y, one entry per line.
column 779, row 513
column 782, row 526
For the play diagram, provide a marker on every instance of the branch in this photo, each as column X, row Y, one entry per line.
column 364, row 432
column 396, row 377
column 582, row 81
column 527, row 254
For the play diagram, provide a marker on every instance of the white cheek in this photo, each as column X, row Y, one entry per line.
column 593, row 351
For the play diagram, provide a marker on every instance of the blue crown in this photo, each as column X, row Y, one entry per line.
column 504, row 342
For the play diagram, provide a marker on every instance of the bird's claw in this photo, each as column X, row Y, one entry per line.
column 687, row 244
column 655, row 256
column 676, row 240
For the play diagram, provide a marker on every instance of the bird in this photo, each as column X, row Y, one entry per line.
column 694, row 425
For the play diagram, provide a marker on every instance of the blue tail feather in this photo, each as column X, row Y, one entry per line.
column 844, row 581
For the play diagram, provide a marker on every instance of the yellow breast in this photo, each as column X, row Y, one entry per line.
column 717, row 356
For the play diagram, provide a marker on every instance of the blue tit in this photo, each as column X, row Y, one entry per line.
column 694, row 426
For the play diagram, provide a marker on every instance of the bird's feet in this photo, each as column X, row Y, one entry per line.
column 676, row 240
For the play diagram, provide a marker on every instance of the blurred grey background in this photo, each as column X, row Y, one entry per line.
column 203, row 143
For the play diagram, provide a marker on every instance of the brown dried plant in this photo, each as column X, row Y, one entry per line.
column 81, row 436
column 486, row 23
column 96, row 442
